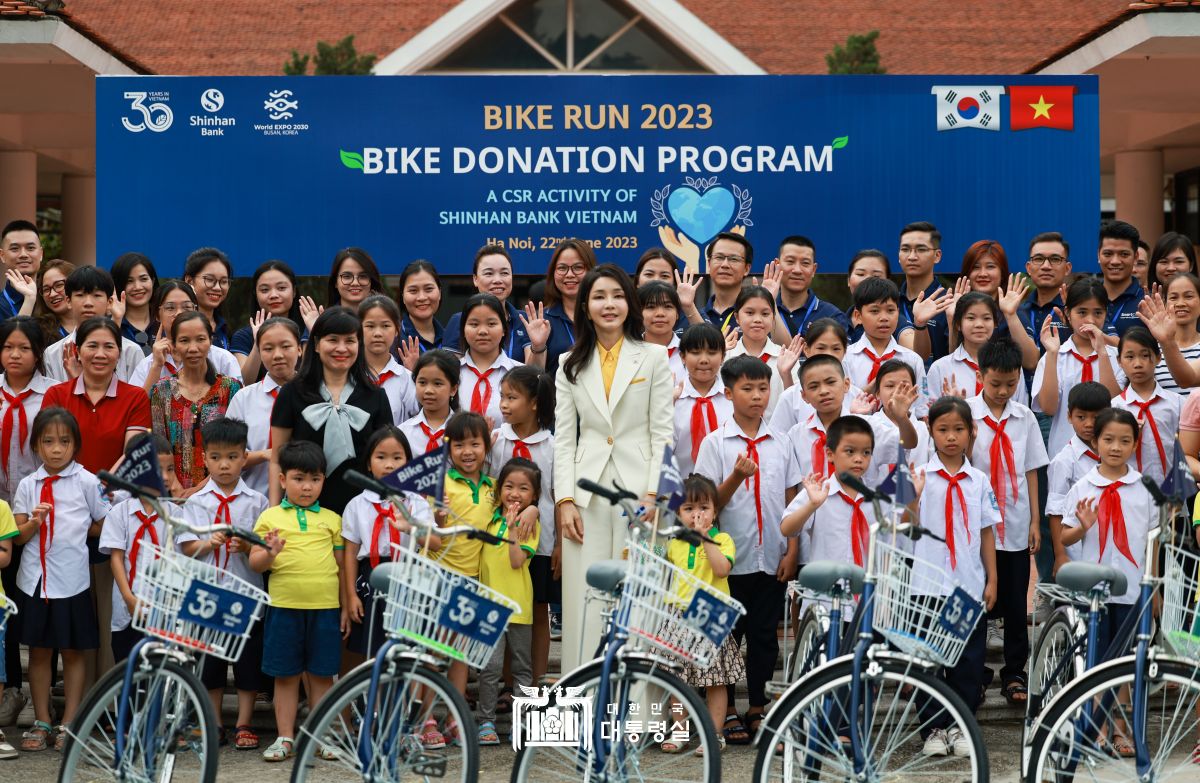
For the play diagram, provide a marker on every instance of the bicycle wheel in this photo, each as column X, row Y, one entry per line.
column 172, row 734
column 1047, row 672
column 810, row 644
column 1074, row 740
column 807, row 736
column 659, row 696
column 408, row 695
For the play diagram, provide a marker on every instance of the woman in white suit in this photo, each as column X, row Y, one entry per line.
column 613, row 418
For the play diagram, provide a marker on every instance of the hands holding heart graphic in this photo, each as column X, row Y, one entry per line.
column 684, row 248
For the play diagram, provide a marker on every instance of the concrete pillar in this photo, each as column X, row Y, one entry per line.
column 79, row 219
column 1139, row 191
column 18, row 186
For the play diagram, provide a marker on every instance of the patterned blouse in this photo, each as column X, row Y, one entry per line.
column 179, row 420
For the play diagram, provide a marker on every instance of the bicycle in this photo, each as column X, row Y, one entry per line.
column 1162, row 682
column 367, row 726
column 822, row 588
column 866, row 716
column 150, row 718
column 636, row 700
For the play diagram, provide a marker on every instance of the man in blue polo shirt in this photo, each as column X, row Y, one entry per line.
column 1048, row 266
column 798, row 306
column 920, row 250
column 729, row 258
column 20, row 252
column 1118, row 251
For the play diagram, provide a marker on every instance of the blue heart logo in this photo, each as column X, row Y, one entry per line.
column 701, row 217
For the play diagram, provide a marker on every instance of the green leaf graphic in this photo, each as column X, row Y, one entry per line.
column 840, row 142
column 351, row 160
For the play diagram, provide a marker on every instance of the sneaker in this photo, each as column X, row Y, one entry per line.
column 26, row 716
column 11, row 704
column 958, row 742
column 6, row 751
column 1042, row 609
column 937, row 743
column 555, row 626
column 995, row 636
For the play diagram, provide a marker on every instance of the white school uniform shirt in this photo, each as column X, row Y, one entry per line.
column 131, row 356
column 858, row 369
column 253, row 405
column 541, row 452
column 772, row 352
column 829, row 528
column 777, row 471
column 201, row 509
column 468, row 380
column 1164, row 410
column 722, row 406
column 1070, row 375
column 400, row 390
column 1029, row 453
column 121, row 525
column 803, row 437
column 675, row 359
column 418, row 440
column 358, row 522
column 963, row 376
column 1140, row 515
column 1066, row 469
column 22, row 460
column 887, row 447
column 793, row 409
column 78, row 503
column 222, row 360
column 982, row 511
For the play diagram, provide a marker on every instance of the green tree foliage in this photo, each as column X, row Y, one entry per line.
column 859, row 55
column 339, row 59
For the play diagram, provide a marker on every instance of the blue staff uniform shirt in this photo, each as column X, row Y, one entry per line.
column 1123, row 309
column 939, row 329
column 562, row 336
column 813, row 308
column 10, row 302
column 718, row 318
column 514, row 343
column 407, row 330
column 1032, row 315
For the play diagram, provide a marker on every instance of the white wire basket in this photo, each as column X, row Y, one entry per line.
column 419, row 599
column 909, row 603
column 164, row 580
column 1180, row 624
column 667, row 608
column 7, row 607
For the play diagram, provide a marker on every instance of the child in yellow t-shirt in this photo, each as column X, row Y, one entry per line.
column 8, row 534
column 505, row 569
column 305, row 622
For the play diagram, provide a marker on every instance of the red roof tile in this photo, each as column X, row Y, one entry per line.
column 934, row 36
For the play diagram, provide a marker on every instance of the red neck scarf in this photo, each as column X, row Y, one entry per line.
column 876, row 362
column 1087, row 362
column 704, row 421
column 859, row 529
column 952, row 489
column 46, row 530
column 16, row 409
column 752, row 455
column 481, row 395
column 1000, row 453
column 818, row 452
column 270, row 435
column 384, row 517
column 521, row 449
column 975, row 366
column 383, row 376
column 1146, row 418
column 433, row 437
column 223, row 508
column 145, row 528
column 1111, row 517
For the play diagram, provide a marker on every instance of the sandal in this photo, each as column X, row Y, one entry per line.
column 734, row 730
column 1015, row 692
column 244, row 738
column 431, row 738
column 326, row 753
column 720, row 746
column 60, row 737
column 675, row 745
column 450, row 732
column 754, row 718
column 1122, row 747
column 1196, row 754
column 37, row 737
column 279, row 750
column 487, row 733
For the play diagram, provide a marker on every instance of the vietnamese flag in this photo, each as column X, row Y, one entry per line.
column 1041, row 106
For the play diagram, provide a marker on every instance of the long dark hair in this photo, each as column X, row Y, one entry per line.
column 32, row 331
column 552, row 295
column 536, row 386
column 201, row 258
column 335, row 320
column 275, row 265
column 332, row 297
column 490, row 302
column 585, row 330
column 416, row 267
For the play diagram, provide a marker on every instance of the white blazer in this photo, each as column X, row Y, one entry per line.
column 630, row 428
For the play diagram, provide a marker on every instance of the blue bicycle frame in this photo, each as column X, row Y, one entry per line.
column 154, row 708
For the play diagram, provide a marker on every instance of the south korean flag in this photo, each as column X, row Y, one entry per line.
column 968, row 107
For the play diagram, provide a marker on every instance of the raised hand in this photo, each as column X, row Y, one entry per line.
column 1085, row 512
column 951, row 389
column 309, row 311
column 677, row 392
column 681, row 247
column 962, row 286
column 1049, row 335
column 864, row 404
column 899, row 406
column 116, row 306
column 918, row 479
column 817, row 489
column 790, row 356
column 731, row 337
column 1095, row 337
column 925, row 309
column 256, row 322
column 744, row 467
column 1010, row 300
column 536, row 325
column 772, row 278
column 162, row 347
column 1154, row 314
column 70, row 361
column 410, row 351
column 686, row 285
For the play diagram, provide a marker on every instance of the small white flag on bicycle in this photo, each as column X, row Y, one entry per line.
column 141, row 465
column 423, row 475
column 670, row 482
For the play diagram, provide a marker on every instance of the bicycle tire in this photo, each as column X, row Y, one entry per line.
column 328, row 727
column 810, row 635
column 1055, row 640
column 97, row 715
column 1055, row 742
column 534, row 764
column 799, row 714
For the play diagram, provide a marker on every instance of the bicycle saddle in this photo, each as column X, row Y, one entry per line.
column 822, row 575
column 1083, row 577
column 381, row 576
column 605, row 575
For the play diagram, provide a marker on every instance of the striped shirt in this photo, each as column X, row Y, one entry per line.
column 1163, row 375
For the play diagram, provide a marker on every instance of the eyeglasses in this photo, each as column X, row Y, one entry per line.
column 215, row 282
column 54, row 288
column 173, row 308
column 348, row 278
column 919, row 249
column 1051, row 260
column 574, row 269
column 721, row 258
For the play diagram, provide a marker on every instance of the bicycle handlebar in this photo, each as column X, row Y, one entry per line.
column 910, row 529
column 613, row 496
column 372, row 484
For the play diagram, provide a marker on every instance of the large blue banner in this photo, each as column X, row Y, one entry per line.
column 434, row 167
